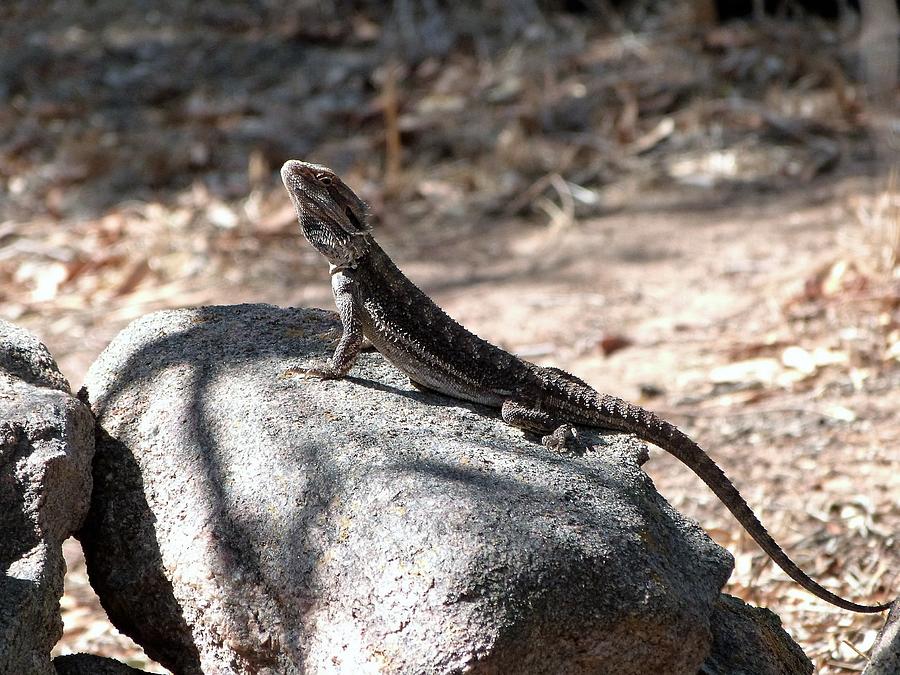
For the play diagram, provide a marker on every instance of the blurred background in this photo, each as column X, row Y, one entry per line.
column 692, row 204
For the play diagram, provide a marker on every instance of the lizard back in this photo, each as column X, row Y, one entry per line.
column 418, row 337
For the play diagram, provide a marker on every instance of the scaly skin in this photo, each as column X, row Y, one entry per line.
column 375, row 300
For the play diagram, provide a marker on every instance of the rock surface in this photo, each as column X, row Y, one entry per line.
column 245, row 520
column 750, row 641
column 46, row 446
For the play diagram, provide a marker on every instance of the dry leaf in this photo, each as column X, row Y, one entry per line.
column 613, row 342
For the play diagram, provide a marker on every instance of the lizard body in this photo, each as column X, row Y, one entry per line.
column 376, row 300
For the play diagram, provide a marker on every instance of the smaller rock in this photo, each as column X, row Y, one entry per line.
column 750, row 641
column 46, row 447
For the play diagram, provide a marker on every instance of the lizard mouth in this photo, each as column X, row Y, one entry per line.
column 352, row 218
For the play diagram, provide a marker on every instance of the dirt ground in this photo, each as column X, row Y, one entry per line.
column 703, row 220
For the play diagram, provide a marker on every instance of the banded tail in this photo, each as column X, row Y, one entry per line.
column 621, row 415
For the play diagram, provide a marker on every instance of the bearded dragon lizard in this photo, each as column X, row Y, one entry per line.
column 375, row 300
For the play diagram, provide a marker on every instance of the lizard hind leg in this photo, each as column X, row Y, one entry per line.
column 527, row 417
column 554, row 434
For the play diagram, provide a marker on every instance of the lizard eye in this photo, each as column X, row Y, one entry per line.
column 324, row 179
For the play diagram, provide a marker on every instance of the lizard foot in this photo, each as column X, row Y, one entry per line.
column 324, row 372
column 565, row 440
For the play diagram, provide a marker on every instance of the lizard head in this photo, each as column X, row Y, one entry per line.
column 333, row 219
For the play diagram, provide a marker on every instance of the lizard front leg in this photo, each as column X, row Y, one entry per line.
column 554, row 434
column 350, row 310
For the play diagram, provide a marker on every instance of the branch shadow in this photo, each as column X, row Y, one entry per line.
column 138, row 610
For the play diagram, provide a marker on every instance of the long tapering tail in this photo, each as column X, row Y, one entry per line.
column 621, row 415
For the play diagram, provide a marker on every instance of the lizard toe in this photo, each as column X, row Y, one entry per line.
column 324, row 372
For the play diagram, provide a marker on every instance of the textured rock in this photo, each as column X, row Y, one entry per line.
column 248, row 521
column 46, row 445
column 750, row 641
column 89, row 664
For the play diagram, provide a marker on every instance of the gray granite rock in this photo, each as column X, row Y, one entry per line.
column 750, row 641
column 46, row 445
column 245, row 520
